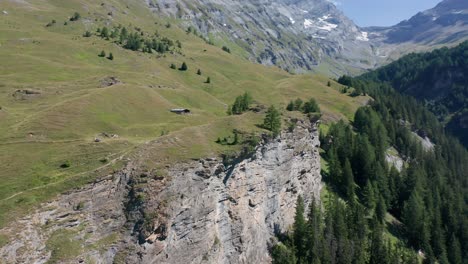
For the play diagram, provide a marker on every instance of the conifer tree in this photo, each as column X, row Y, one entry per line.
column 111, row 56
column 300, row 230
column 208, row 80
column 381, row 210
column 348, row 180
column 102, row 54
column 298, row 104
column 104, row 32
column 272, row 120
column 281, row 254
column 183, row 67
column 368, row 196
column 199, row 72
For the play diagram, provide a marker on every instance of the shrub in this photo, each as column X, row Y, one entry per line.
column 87, row 34
column 226, row 49
column 76, row 16
column 51, row 23
column 65, row 165
column 102, row 54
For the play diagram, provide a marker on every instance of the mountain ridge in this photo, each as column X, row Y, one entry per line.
column 301, row 36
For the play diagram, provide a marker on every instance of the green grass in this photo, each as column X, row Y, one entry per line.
column 3, row 240
column 63, row 246
column 39, row 134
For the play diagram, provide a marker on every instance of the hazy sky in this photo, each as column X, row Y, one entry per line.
column 382, row 12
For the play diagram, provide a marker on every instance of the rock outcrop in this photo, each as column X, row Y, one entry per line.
column 228, row 214
column 199, row 211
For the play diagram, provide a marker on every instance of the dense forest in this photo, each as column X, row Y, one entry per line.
column 377, row 213
column 437, row 78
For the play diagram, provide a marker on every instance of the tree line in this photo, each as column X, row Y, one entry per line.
column 427, row 198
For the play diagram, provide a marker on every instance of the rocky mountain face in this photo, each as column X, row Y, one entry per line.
column 204, row 210
column 296, row 35
column 313, row 35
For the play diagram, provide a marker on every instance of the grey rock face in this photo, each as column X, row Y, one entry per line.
column 295, row 35
column 228, row 214
column 89, row 215
column 313, row 35
column 200, row 211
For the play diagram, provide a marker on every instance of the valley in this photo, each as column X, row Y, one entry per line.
column 122, row 141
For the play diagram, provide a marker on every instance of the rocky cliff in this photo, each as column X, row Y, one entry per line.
column 314, row 35
column 295, row 35
column 200, row 211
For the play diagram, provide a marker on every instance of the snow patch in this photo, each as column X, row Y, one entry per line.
column 321, row 23
column 308, row 23
column 364, row 36
column 292, row 20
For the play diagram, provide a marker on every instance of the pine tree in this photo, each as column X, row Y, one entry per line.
column 199, row 72
column 413, row 218
column 290, row 106
column 314, row 233
column 311, row 107
column 111, row 56
column 281, row 254
column 272, row 120
column 102, row 54
column 104, row 32
column 208, row 80
column 76, row 16
column 237, row 106
column 246, row 101
column 455, row 253
column 183, row 67
column 368, row 196
column 381, row 210
column 300, row 231
column 298, row 104
column 348, row 181
column 123, row 35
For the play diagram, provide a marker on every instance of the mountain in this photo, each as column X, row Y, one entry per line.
column 445, row 24
column 297, row 35
column 127, row 136
column 94, row 166
column 437, row 78
column 304, row 35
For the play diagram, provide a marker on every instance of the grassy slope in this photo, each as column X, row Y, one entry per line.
column 39, row 134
